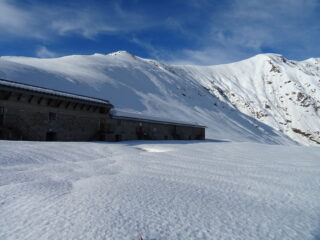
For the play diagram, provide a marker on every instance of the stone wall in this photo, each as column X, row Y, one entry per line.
column 40, row 117
column 120, row 129
column 39, row 120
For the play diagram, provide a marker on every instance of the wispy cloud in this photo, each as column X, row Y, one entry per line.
column 176, row 31
column 91, row 21
column 247, row 27
column 16, row 21
column 254, row 23
column 154, row 52
column 41, row 22
column 44, row 52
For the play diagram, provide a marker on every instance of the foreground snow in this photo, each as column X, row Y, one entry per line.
column 158, row 190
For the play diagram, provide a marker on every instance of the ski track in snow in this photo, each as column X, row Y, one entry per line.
column 158, row 190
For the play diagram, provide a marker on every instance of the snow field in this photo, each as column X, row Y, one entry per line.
column 158, row 190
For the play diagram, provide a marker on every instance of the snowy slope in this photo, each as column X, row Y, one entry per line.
column 173, row 190
column 281, row 93
column 244, row 101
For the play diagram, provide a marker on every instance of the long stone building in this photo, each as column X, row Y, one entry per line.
column 39, row 114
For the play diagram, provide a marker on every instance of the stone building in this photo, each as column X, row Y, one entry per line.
column 136, row 126
column 39, row 114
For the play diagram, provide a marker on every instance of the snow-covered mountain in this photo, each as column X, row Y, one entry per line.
column 281, row 93
column 263, row 99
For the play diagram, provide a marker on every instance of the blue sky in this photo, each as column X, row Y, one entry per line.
column 200, row 32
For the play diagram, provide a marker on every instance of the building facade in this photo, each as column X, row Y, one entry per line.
column 135, row 126
column 39, row 114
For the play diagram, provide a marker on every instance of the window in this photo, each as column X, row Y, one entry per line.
column 102, row 124
column 51, row 136
column 118, row 138
column 2, row 110
column 52, row 116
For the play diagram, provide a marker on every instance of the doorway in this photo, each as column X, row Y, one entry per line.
column 51, row 136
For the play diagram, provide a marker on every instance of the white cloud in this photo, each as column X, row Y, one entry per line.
column 153, row 51
column 246, row 27
column 43, row 22
column 44, row 52
column 208, row 56
column 90, row 22
column 238, row 29
column 15, row 21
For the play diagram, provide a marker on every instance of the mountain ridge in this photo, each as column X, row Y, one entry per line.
column 243, row 101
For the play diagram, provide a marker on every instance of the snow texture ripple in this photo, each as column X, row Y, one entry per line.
column 159, row 190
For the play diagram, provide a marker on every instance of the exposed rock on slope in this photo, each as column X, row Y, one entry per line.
column 281, row 93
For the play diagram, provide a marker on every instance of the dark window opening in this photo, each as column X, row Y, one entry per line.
column 52, row 116
column 51, row 136
column 119, row 122
column 103, row 124
column 176, row 137
column 142, row 134
column 2, row 109
column 102, row 137
column 139, row 133
column 103, row 110
column 118, row 137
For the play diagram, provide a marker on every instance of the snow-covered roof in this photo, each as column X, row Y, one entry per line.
column 32, row 88
column 118, row 114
